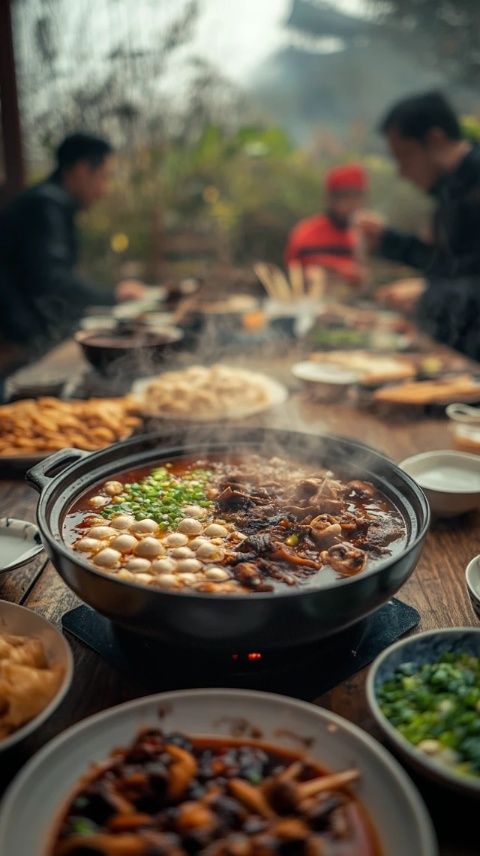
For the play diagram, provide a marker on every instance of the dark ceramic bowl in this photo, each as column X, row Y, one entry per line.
column 136, row 350
column 422, row 648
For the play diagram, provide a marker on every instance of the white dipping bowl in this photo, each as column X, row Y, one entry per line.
column 450, row 480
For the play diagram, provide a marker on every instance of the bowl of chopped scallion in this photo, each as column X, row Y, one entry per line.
column 424, row 693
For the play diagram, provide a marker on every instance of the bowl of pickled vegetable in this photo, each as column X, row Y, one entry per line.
column 424, row 693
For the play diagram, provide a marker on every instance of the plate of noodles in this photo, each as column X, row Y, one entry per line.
column 207, row 393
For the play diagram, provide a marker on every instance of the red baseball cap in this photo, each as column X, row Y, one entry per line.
column 350, row 176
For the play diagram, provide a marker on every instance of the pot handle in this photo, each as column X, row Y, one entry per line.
column 39, row 476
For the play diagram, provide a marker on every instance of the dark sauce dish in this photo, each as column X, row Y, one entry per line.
column 103, row 348
column 270, row 620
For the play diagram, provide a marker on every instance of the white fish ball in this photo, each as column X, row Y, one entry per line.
column 124, row 542
column 107, row 558
column 164, row 566
column 176, row 539
column 101, row 532
column 123, row 521
column 88, row 545
column 209, row 552
column 143, row 578
column 187, row 579
column 113, row 488
column 98, row 501
column 216, row 530
column 189, row 566
column 138, row 566
column 150, row 548
column 217, row 575
column 194, row 511
column 165, row 580
column 190, row 526
column 183, row 553
column 145, row 526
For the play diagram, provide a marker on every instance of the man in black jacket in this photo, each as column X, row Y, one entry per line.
column 425, row 138
column 41, row 295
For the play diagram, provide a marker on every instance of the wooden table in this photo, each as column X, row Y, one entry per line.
column 436, row 590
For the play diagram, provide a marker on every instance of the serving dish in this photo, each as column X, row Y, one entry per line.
column 332, row 377
column 395, row 808
column 18, row 621
column 371, row 369
column 103, row 348
column 207, row 394
column 472, row 579
column 270, row 620
column 422, row 648
column 462, row 387
column 451, row 480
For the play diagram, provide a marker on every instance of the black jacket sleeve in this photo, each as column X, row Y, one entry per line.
column 48, row 262
column 406, row 249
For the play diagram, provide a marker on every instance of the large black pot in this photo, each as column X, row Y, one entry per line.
column 268, row 620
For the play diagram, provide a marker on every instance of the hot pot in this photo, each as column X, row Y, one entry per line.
column 232, row 622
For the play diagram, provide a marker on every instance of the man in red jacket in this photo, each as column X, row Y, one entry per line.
column 329, row 240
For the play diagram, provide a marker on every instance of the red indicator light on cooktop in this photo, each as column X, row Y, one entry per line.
column 251, row 657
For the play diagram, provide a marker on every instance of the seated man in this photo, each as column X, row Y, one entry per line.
column 425, row 138
column 329, row 240
column 41, row 295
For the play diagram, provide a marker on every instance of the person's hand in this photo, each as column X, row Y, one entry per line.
column 130, row 289
column 403, row 295
column 370, row 226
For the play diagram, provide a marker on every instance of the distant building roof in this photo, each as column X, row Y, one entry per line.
column 322, row 19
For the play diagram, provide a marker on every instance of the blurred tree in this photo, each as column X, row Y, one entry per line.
column 72, row 75
column 449, row 30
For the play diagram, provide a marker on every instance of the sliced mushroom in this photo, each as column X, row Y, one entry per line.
column 345, row 558
column 181, row 771
column 251, row 797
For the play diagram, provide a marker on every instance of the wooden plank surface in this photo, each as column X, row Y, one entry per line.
column 436, row 590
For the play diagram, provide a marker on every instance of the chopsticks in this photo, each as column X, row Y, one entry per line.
column 294, row 287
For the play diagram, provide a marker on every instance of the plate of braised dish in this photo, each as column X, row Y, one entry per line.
column 215, row 773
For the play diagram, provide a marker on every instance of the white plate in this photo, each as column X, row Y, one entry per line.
column 451, row 480
column 24, row 622
column 276, row 394
column 44, row 785
column 324, row 373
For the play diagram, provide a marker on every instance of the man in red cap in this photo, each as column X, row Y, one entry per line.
column 329, row 240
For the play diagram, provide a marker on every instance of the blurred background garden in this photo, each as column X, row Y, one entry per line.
column 226, row 115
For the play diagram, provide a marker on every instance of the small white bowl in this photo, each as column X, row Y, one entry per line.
column 331, row 382
column 450, row 480
column 19, row 621
column 472, row 578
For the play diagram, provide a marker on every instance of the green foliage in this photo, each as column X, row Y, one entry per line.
column 244, row 188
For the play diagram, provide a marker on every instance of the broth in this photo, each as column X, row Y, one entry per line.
column 238, row 524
